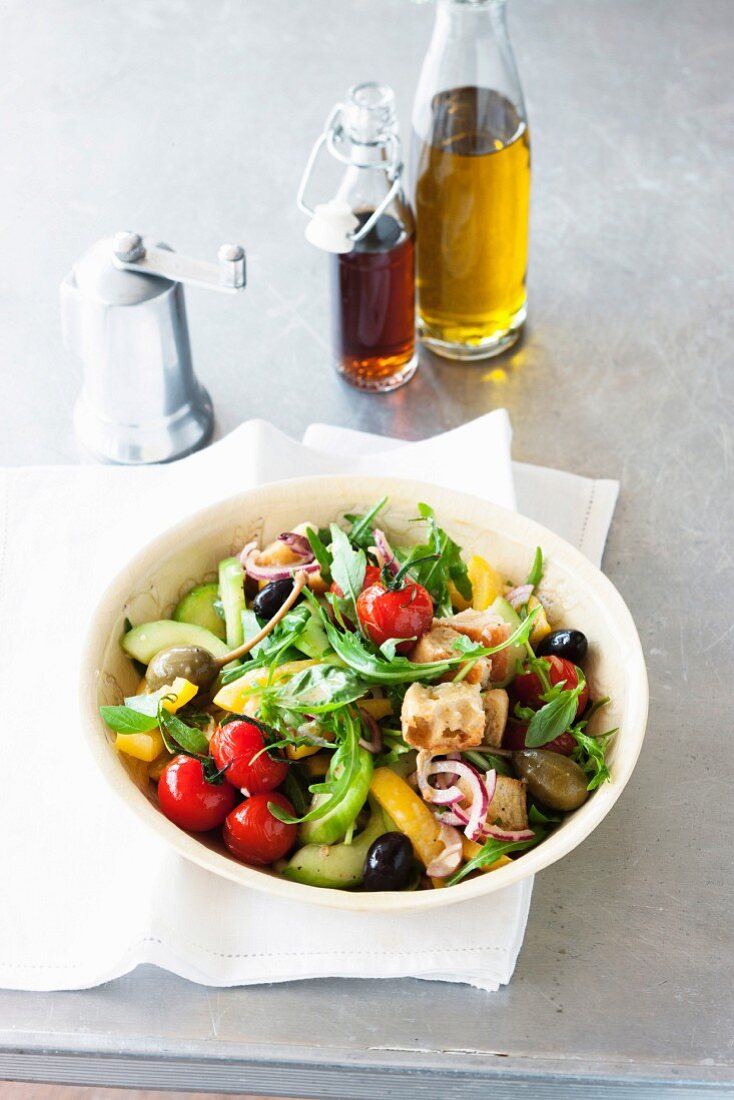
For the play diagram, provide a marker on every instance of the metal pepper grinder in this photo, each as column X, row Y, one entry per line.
column 123, row 313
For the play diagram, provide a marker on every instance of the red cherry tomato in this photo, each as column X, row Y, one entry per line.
column 188, row 800
column 252, row 833
column 404, row 613
column 527, row 687
column 371, row 576
column 514, row 738
column 236, row 744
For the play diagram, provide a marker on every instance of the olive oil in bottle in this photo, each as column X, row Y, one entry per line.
column 471, row 173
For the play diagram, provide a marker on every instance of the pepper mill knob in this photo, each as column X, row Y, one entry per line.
column 123, row 313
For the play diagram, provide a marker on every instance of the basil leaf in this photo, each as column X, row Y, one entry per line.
column 491, row 852
column 348, row 569
column 535, row 575
column 173, row 729
column 127, row 720
column 321, row 688
column 147, row 704
column 552, row 720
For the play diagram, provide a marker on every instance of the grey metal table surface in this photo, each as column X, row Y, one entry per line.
column 191, row 119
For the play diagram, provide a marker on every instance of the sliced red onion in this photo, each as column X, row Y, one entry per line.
column 454, row 816
column 375, row 745
column 450, row 858
column 249, row 556
column 386, row 550
column 519, row 596
column 508, row 834
column 490, row 782
column 299, row 544
column 478, row 802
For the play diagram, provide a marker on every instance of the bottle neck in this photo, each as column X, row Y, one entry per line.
column 471, row 18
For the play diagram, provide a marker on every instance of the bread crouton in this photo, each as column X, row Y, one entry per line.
column 508, row 807
column 485, row 628
column 443, row 718
column 437, row 645
column 496, row 709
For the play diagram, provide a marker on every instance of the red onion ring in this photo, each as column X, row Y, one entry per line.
column 479, row 800
column 248, row 558
column 490, row 782
column 375, row 745
column 508, row 834
column 386, row 550
column 519, row 596
column 450, row 858
column 299, row 544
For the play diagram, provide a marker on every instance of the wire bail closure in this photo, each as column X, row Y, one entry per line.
column 335, row 137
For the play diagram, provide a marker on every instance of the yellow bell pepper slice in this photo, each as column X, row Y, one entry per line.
column 235, row 696
column 409, row 812
column 317, row 766
column 471, row 849
column 183, row 692
column 486, row 584
column 541, row 627
column 377, row 708
column 300, row 752
column 143, row 746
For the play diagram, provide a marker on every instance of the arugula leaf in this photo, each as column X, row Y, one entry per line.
column 487, row 760
column 320, row 552
column 273, row 648
column 126, row 720
column 176, row 732
column 537, row 817
column 447, row 566
column 590, row 755
column 361, row 533
column 320, row 689
column 375, row 667
column 536, row 572
column 348, row 569
column 491, row 852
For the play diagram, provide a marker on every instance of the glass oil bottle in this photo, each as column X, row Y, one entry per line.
column 471, row 174
column 369, row 229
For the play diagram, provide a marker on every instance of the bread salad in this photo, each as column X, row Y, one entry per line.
column 361, row 715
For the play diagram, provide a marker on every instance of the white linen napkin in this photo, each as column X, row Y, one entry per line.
column 89, row 894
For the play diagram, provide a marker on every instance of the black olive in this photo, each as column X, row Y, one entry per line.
column 272, row 597
column 570, row 644
column 389, row 863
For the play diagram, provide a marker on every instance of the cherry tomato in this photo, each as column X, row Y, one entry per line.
column 404, row 613
column 514, row 738
column 527, row 687
column 235, row 744
column 252, row 833
column 371, row 576
column 188, row 800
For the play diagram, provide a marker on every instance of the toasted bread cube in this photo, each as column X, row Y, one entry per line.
column 442, row 718
column 496, row 709
column 437, row 645
column 487, row 629
column 508, row 807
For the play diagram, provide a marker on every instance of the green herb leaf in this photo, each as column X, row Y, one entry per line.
column 320, row 689
column 348, row 569
column 535, row 575
column 448, row 564
column 537, row 817
column 590, row 755
column 361, row 530
column 191, row 740
column 553, row 719
column 487, row 760
column 320, row 552
column 127, row 720
column 491, row 852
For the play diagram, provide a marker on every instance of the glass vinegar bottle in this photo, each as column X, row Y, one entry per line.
column 471, row 176
column 370, row 230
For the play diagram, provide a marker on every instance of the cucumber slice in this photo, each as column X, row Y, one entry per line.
column 313, row 641
column 232, row 593
column 334, row 824
column 144, row 641
column 338, row 866
column 197, row 607
column 515, row 653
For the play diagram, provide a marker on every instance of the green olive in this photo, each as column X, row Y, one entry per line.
column 554, row 780
column 192, row 662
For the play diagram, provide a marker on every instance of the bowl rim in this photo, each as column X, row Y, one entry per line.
column 500, row 520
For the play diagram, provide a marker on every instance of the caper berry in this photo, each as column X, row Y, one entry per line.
column 554, row 780
column 192, row 662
